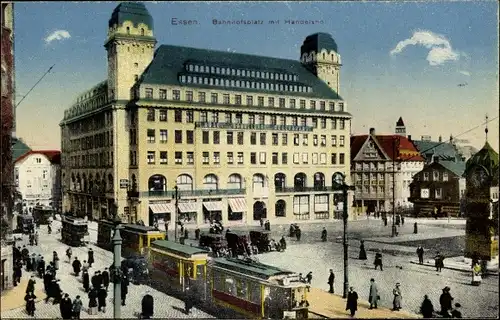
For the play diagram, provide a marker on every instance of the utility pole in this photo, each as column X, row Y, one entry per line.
column 117, row 270
column 394, row 154
column 176, row 211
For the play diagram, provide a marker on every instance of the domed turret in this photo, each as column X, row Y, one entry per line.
column 317, row 42
column 134, row 12
column 486, row 157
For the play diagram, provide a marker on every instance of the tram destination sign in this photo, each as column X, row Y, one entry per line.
column 123, row 183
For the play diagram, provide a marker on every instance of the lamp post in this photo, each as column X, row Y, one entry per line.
column 394, row 154
column 176, row 197
column 116, row 272
column 339, row 180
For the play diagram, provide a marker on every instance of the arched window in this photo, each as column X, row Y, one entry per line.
column 211, row 182
column 110, row 182
column 319, row 180
column 133, row 184
column 279, row 181
column 184, row 182
column 128, row 30
column 280, row 208
column 103, row 185
column 157, row 182
column 235, row 181
column 142, row 31
column 299, row 182
column 258, row 181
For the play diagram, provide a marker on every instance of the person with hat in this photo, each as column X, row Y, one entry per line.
column 147, row 306
column 352, row 301
column 427, row 309
column 25, row 254
column 77, row 307
column 34, row 262
column 93, row 301
column 102, row 294
column 445, row 300
column 30, row 299
column 86, row 281
column 31, row 285
column 18, row 272
column 77, row 266
column 65, row 307
column 56, row 291
column 91, row 257
column 373, row 296
column 55, row 260
column 396, row 303
column 105, row 278
column 331, row 281
column 455, row 313
column 95, row 280
column 124, row 288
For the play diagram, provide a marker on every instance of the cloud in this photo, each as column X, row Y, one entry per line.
column 440, row 47
column 57, row 35
column 465, row 73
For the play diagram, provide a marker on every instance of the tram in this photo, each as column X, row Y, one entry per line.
column 42, row 214
column 74, row 231
column 243, row 287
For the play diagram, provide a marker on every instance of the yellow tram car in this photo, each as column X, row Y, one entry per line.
column 135, row 238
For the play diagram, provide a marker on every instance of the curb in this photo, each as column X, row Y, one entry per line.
column 489, row 273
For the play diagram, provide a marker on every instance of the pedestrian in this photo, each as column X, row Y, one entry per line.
column 186, row 233
column 77, row 266
column 374, row 296
column 93, row 301
column 378, row 261
column 29, row 264
column 105, row 278
column 49, row 228
column 420, row 254
column 25, row 254
column 261, row 222
column 309, row 277
column 324, row 234
column 427, row 309
column 362, row 252
column 396, row 303
column 188, row 301
column 455, row 313
column 445, row 300
column 101, row 299
column 31, row 285
column 77, row 307
column 124, row 288
column 55, row 260
column 298, row 233
column 18, row 272
column 99, row 279
column 95, row 280
column 476, row 274
column 147, row 306
column 69, row 252
column 56, row 290
column 66, row 307
column 41, row 267
column 32, row 239
column 91, row 257
column 36, row 238
column 438, row 262
column 352, row 301
column 197, row 233
column 331, row 281
column 30, row 299
column 47, row 280
column 86, row 281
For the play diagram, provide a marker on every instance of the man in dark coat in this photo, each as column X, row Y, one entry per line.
column 352, row 301
column 66, row 307
column 57, row 292
column 298, row 233
column 34, row 262
column 25, row 254
column 47, row 280
column 427, row 309
column 92, row 298
column 420, row 254
column 105, row 278
column 445, row 300
column 91, row 257
column 18, row 272
column 331, row 281
column 86, row 281
column 30, row 299
column 102, row 294
column 31, row 285
column 77, row 266
column 378, row 261
column 124, row 288
column 323, row 234
column 147, row 306
column 95, row 281
column 29, row 264
column 41, row 268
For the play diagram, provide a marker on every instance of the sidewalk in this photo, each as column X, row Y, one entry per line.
column 327, row 305
column 14, row 298
column 457, row 264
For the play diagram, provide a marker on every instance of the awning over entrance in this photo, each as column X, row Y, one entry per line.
column 162, row 208
column 213, row 206
column 188, row 207
column 238, row 204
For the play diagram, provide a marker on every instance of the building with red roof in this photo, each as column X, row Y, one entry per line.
column 373, row 158
column 37, row 175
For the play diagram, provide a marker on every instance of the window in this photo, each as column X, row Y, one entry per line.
column 214, row 97
column 249, row 101
column 334, row 141
column 238, row 118
column 178, row 116
column 315, row 122
column 284, row 139
column 230, row 158
column 190, row 157
column 304, row 139
column 275, row 158
column 262, row 157
column 323, row 140
column 334, row 124
column 302, row 104
column 163, row 94
column 163, row 157
column 149, row 93
column 331, row 106
column 189, row 116
column 151, row 136
column 296, row 159
column 322, row 158
column 203, row 116
column 178, row 136
column 282, row 120
column 225, row 98
column 240, row 137
column 341, row 106
column 295, row 121
column 262, row 138
column 216, row 157
column 216, row 137
column 296, row 139
column 284, row 158
column 240, row 157
column 205, row 137
column 426, row 176
column 163, row 115
column 151, row 114
column 270, row 102
column 341, row 158
column 445, row 176
column 189, row 96
column 305, row 157
column 178, row 157
column 314, row 158
column 342, row 124
column 251, row 119
column 303, row 121
column 151, row 157
column 292, row 103
column 435, row 175
column 253, row 138
column 439, row 193
column 275, row 139
column 253, row 157
column 323, row 123
column 260, row 101
column 201, row 97
column 163, row 136
column 315, row 140
column 282, row 102
column 176, row 95
column 237, row 99
column 334, row 158
column 229, row 137
column 322, row 105
column 341, row 141
column 190, row 137
column 206, row 157
column 273, row 120
column 229, row 117
column 313, row 105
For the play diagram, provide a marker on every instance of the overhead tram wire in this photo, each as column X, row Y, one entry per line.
column 24, row 97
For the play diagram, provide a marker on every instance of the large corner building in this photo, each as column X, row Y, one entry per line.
column 236, row 137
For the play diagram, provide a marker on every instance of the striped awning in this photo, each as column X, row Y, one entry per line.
column 162, row 208
column 188, row 207
column 238, row 204
column 213, row 206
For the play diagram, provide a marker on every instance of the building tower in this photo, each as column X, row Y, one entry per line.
column 400, row 127
column 319, row 54
column 130, row 45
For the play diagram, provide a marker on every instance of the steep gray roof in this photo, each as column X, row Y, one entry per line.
column 135, row 12
column 170, row 63
column 457, row 167
column 442, row 150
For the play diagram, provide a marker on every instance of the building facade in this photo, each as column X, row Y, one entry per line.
column 381, row 165
column 38, row 179
column 232, row 136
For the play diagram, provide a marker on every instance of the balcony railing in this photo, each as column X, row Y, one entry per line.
column 226, row 125
column 303, row 189
column 191, row 193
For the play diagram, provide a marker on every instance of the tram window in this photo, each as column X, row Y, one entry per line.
column 145, row 241
column 188, row 269
column 241, row 289
column 254, row 290
column 230, row 286
column 218, row 282
column 200, row 271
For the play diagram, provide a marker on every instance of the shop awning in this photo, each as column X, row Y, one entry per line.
column 162, row 208
column 238, row 204
column 213, row 206
column 188, row 207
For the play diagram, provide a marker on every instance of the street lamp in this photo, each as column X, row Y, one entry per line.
column 176, row 197
column 116, row 271
column 394, row 154
column 339, row 181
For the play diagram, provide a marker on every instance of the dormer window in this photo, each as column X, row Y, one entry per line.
column 128, row 30
column 142, row 31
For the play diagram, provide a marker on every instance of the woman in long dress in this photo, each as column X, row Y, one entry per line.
column 362, row 252
column 397, row 298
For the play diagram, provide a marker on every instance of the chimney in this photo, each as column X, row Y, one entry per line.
column 409, row 137
column 372, row 131
column 440, row 139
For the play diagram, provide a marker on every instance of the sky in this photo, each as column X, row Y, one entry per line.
column 433, row 63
